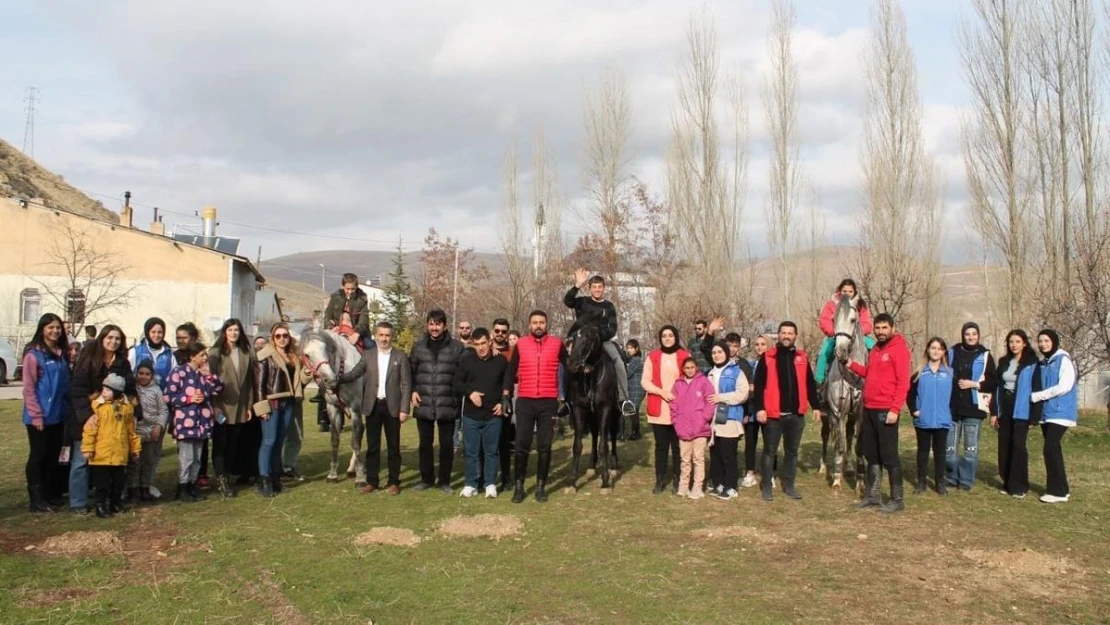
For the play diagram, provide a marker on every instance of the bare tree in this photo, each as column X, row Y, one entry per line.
column 781, row 102
column 90, row 275
column 899, row 226
column 514, row 290
column 993, row 135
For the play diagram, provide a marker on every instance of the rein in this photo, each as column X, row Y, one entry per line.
column 315, row 371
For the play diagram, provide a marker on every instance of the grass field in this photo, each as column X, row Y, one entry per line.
column 626, row 557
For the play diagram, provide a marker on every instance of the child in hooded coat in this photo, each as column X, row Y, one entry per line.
column 691, row 414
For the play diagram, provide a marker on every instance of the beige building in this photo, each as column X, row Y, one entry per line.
column 97, row 271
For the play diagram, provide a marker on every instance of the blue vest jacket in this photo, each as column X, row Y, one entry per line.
column 1023, row 390
column 727, row 384
column 51, row 389
column 1062, row 407
column 978, row 367
column 163, row 363
column 932, row 392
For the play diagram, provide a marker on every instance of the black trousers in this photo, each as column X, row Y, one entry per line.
column 377, row 421
column 534, row 418
column 665, row 441
column 788, row 429
column 935, row 439
column 204, row 459
column 1056, row 477
column 427, row 431
column 723, row 464
column 42, row 458
column 878, row 440
column 227, row 443
column 108, row 483
column 1013, row 455
column 505, row 449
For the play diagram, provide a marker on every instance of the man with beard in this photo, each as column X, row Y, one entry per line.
column 534, row 369
column 974, row 371
column 500, row 345
column 434, row 359
column 701, row 344
column 499, row 337
column 886, row 385
column 784, row 388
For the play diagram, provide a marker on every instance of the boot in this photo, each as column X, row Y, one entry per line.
column 543, row 466
column 674, row 484
column 896, row 503
column 191, row 491
column 789, row 470
column 266, row 487
column 518, row 492
column 182, row 493
column 541, row 494
column 224, row 487
column 277, row 484
column 128, row 496
column 102, row 510
column 765, row 486
column 871, row 495
column 921, row 486
column 38, row 500
column 144, row 494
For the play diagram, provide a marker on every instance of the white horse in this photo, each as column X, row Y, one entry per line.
column 843, row 393
column 328, row 356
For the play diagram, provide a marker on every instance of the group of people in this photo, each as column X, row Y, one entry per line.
column 97, row 415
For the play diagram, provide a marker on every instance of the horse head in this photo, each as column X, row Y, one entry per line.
column 319, row 354
column 846, row 325
column 583, row 344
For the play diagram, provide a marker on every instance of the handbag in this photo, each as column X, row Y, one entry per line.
column 720, row 416
column 984, row 403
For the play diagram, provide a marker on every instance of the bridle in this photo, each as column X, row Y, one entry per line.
column 315, row 372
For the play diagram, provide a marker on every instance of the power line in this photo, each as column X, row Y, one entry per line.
column 30, row 99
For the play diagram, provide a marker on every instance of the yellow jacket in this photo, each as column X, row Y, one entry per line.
column 110, row 434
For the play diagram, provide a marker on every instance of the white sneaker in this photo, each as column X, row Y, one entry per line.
column 154, row 492
column 491, row 491
column 728, row 494
column 696, row 494
column 1046, row 498
column 749, row 481
column 468, row 491
column 773, row 482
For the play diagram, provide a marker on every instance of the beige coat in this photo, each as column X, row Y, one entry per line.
column 670, row 373
column 238, row 394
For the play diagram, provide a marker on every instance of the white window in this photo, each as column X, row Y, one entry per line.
column 30, row 306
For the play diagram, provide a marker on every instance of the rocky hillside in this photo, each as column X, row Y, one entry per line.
column 22, row 177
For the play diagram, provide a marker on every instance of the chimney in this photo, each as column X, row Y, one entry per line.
column 156, row 226
column 208, row 229
column 126, row 216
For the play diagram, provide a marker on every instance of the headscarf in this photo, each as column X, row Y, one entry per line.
column 150, row 323
column 723, row 345
column 1052, row 336
column 677, row 343
column 963, row 343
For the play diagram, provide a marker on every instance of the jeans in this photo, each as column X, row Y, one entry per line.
column 78, row 478
column 189, row 454
column 481, row 436
column 961, row 469
column 1056, row 476
column 788, row 428
column 294, row 437
column 377, row 421
column 613, row 352
column 1013, row 455
column 426, row 430
column 273, row 438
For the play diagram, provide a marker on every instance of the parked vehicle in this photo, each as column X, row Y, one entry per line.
column 9, row 362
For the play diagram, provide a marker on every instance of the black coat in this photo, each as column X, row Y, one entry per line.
column 433, row 378
column 88, row 380
column 604, row 310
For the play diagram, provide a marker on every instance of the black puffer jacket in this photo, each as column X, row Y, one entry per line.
column 433, row 377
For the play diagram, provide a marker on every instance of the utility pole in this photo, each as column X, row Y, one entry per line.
column 322, row 286
column 537, row 250
column 29, row 126
column 455, row 289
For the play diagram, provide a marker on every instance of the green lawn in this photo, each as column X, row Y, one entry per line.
column 626, row 557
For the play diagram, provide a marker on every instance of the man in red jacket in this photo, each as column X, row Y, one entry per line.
column 534, row 369
column 886, row 384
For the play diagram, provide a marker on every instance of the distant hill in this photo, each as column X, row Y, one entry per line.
column 22, row 177
column 305, row 266
column 298, row 299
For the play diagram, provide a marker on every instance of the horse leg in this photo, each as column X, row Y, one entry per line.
column 857, row 417
column 576, row 452
column 336, row 423
column 838, row 462
column 603, row 435
column 825, row 426
column 357, row 430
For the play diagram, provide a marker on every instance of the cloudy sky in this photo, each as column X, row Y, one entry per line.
column 373, row 120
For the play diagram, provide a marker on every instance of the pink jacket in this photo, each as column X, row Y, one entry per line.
column 828, row 313
column 691, row 411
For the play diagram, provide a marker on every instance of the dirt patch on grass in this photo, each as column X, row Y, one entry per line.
column 494, row 526
column 395, row 536
column 81, row 544
column 750, row 534
column 268, row 592
column 51, row 597
column 1024, row 564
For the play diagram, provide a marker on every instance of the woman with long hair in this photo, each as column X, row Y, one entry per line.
column 279, row 386
column 929, row 403
column 1010, row 412
column 1056, row 397
column 661, row 370
column 46, row 407
column 232, row 360
column 98, row 358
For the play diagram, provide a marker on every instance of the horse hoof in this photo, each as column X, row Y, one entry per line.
column 350, row 474
column 822, row 470
column 333, row 480
column 614, row 473
column 360, row 484
column 836, row 485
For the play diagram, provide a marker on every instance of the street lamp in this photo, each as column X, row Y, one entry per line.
column 322, row 285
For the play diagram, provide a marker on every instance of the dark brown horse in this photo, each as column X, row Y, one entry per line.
column 591, row 393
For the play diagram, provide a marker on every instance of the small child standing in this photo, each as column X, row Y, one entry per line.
column 151, row 428
column 108, row 441
column 691, row 413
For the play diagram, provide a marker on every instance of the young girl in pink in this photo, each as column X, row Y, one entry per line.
column 692, row 414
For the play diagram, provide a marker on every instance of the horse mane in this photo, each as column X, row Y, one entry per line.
column 588, row 320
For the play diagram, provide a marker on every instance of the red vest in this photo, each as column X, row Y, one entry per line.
column 771, row 394
column 655, row 402
column 538, row 368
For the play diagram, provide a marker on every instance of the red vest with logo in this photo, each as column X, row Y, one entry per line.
column 771, row 396
column 538, row 367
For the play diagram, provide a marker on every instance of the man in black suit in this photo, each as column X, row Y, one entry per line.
column 386, row 400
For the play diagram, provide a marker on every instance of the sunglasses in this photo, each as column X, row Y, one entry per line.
column 281, row 336
column 496, row 331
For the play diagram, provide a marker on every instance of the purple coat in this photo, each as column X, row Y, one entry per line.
column 192, row 421
column 691, row 411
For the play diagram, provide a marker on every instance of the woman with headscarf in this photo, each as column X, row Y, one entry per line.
column 1010, row 412
column 1056, row 398
column 154, row 349
column 973, row 376
column 661, row 369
